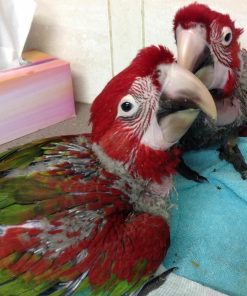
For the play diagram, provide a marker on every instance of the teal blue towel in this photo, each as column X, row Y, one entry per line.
column 209, row 224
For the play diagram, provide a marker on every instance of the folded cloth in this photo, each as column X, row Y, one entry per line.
column 178, row 286
column 209, row 224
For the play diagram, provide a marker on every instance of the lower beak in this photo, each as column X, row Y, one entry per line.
column 178, row 84
column 175, row 125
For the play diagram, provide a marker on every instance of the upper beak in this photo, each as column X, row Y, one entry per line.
column 194, row 54
column 179, row 83
column 191, row 44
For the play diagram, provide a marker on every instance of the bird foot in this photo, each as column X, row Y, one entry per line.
column 198, row 178
column 244, row 175
column 235, row 157
column 184, row 170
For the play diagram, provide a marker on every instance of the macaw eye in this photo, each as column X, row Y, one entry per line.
column 158, row 72
column 127, row 106
column 226, row 36
column 161, row 73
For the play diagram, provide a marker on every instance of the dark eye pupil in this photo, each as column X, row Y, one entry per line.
column 228, row 37
column 126, row 106
column 158, row 72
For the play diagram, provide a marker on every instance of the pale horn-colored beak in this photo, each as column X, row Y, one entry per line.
column 175, row 125
column 191, row 44
column 179, row 83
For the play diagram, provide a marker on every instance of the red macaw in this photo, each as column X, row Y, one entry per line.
column 87, row 214
column 207, row 45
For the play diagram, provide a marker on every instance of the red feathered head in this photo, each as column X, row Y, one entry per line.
column 207, row 41
column 105, row 105
column 124, row 117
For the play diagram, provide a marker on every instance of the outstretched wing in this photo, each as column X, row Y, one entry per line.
column 81, row 252
column 44, row 177
column 64, row 148
column 66, row 230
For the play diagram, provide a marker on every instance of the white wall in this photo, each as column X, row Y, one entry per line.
column 100, row 37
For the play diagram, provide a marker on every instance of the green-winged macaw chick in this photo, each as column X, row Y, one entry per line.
column 87, row 214
column 207, row 45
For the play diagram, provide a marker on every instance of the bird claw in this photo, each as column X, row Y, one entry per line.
column 236, row 158
column 184, row 170
column 201, row 179
column 155, row 282
column 244, row 175
column 222, row 155
column 197, row 178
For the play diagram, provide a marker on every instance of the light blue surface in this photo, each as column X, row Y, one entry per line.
column 209, row 224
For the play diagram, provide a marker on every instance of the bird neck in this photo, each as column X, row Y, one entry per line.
column 145, row 195
column 137, row 158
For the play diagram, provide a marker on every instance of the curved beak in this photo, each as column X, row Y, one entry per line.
column 180, row 84
column 194, row 54
column 191, row 45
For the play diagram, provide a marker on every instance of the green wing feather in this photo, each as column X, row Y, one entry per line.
column 30, row 192
column 21, row 157
column 71, row 180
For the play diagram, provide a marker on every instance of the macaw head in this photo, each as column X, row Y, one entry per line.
column 139, row 115
column 207, row 45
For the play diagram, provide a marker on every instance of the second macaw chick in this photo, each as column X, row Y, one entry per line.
column 207, row 45
column 87, row 214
